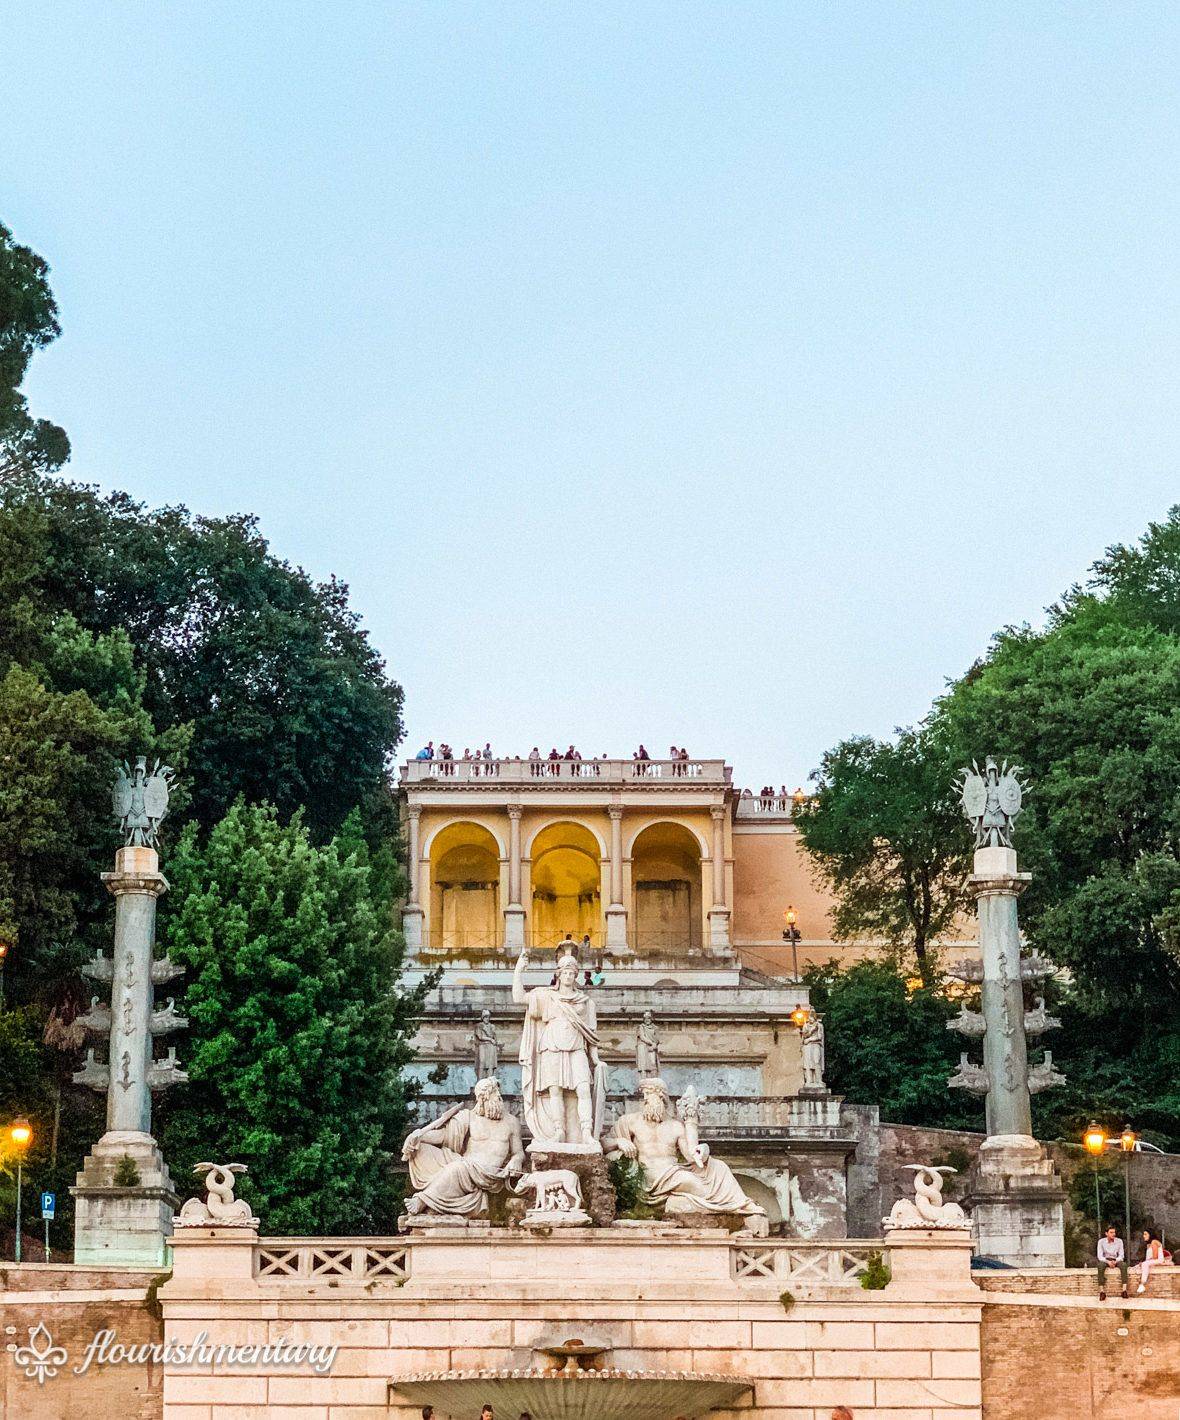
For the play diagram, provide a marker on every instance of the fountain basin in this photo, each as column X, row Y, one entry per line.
column 582, row 1394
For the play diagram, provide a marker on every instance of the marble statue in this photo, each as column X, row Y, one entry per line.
column 219, row 1208
column 813, row 1052
column 647, row 1048
column 991, row 802
column 467, row 1153
column 926, row 1209
column 682, row 1175
column 140, row 801
column 554, row 1191
column 562, row 1078
column 487, row 1047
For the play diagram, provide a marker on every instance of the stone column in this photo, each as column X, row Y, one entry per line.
column 719, row 940
column 1014, row 1194
column 996, row 885
column 127, row 1224
column 616, row 912
column 514, row 912
column 412, row 912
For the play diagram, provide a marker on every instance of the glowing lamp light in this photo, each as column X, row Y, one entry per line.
column 791, row 915
column 800, row 1016
column 1094, row 1138
column 798, row 796
column 3, row 951
column 1128, row 1139
column 21, row 1132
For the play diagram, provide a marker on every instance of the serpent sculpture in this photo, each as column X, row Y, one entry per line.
column 926, row 1209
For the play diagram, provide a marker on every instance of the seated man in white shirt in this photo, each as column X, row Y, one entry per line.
column 1111, row 1254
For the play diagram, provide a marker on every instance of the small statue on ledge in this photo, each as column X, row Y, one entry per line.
column 647, row 1048
column 926, row 1209
column 219, row 1208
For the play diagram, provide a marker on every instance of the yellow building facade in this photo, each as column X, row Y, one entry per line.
column 647, row 858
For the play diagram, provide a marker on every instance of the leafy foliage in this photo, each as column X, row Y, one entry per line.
column 270, row 674
column 28, row 322
column 876, row 1276
column 888, row 1044
column 629, row 1180
column 881, row 830
column 298, row 1034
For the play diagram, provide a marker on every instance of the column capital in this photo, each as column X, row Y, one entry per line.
column 717, row 812
column 615, row 811
column 414, row 811
column 515, row 811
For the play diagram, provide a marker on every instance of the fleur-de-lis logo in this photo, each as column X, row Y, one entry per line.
column 40, row 1358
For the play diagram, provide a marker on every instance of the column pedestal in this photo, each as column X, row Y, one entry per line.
column 1017, row 1203
column 412, row 929
column 123, row 1225
column 514, row 929
column 719, row 940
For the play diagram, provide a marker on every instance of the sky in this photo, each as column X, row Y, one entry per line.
column 712, row 374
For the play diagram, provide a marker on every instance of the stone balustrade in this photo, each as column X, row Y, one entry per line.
column 587, row 773
column 798, row 1115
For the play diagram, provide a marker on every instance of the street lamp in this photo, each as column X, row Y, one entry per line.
column 800, row 1016
column 1095, row 1141
column 3, row 955
column 792, row 934
column 1127, row 1141
column 21, row 1134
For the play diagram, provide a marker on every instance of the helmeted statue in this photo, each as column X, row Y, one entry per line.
column 467, row 1153
column 682, row 1176
column 140, row 801
column 562, row 1078
column 991, row 802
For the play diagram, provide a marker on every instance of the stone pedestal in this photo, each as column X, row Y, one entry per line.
column 598, row 1194
column 616, row 931
column 412, row 930
column 123, row 1225
column 514, row 929
column 720, row 944
column 1017, row 1203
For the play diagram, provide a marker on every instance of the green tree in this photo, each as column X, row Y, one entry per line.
column 883, row 832
column 887, row 1044
column 269, row 673
column 299, row 1032
column 28, row 321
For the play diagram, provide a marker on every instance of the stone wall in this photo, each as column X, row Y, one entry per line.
column 1080, row 1361
column 1155, row 1178
column 73, row 1304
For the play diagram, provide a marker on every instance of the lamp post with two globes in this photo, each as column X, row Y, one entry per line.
column 1096, row 1142
column 20, row 1132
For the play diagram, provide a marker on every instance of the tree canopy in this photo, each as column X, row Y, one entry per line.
column 1089, row 707
column 885, row 836
column 297, row 1036
column 28, row 321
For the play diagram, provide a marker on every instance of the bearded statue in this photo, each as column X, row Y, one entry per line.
column 466, row 1154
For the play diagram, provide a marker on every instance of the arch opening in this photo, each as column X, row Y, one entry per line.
column 464, row 888
column 566, row 885
column 666, row 889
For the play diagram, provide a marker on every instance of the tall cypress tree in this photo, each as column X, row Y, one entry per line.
column 298, row 1028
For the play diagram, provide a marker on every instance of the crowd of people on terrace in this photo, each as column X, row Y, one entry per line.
column 677, row 754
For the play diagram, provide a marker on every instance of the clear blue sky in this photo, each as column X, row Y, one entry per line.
column 720, row 374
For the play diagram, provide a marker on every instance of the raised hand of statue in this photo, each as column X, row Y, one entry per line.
column 700, row 1155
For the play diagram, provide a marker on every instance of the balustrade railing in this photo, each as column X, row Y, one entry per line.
column 795, row 1266
column 792, row 1113
column 333, row 1260
column 586, row 772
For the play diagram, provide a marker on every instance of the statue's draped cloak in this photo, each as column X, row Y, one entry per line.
column 575, row 1019
column 448, row 1181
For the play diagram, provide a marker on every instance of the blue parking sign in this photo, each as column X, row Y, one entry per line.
column 48, row 1204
